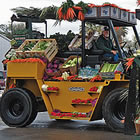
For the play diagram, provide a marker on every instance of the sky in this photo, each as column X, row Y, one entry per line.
column 7, row 5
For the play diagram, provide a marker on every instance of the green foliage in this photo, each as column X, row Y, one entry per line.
column 66, row 5
column 49, row 12
column 30, row 12
column 63, row 40
column 6, row 30
column 84, row 6
column 106, row 3
column 92, row 27
column 29, row 46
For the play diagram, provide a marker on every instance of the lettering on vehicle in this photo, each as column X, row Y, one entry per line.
column 76, row 89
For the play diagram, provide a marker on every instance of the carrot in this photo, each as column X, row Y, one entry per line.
column 129, row 63
column 70, row 14
column 12, row 86
column 59, row 78
column 91, row 5
column 77, row 7
column 60, row 14
column 81, row 15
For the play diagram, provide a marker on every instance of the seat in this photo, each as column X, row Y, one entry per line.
column 94, row 50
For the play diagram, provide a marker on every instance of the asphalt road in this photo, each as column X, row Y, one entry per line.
column 45, row 129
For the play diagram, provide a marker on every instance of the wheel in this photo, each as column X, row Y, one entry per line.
column 34, row 107
column 18, row 107
column 113, row 109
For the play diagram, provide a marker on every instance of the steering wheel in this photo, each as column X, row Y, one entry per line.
column 122, row 48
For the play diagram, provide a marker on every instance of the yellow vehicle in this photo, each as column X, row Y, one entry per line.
column 27, row 93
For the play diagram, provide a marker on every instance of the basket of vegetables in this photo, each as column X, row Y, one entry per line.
column 71, row 64
column 46, row 47
column 26, row 47
column 108, row 70
column 52, row 68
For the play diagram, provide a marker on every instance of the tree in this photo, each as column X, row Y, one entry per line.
column 92, row 27
column 63, row 40
column 121, row 33
column 6, row 30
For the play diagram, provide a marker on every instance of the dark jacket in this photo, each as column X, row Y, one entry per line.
column 104, row 44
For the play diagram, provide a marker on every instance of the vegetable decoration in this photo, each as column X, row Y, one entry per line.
column 98, row 77
column 138, row 2
column 12, row 86
column 69, row 11
column 93, row 89
column 28, row 46
column 117, row 72
column 66, row 11
column 79, row 101
column 32, row 60
column 129, row 63
column 135, row 59
column 84, row 9
column 74, row 114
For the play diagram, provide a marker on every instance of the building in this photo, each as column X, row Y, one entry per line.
column 4, row 47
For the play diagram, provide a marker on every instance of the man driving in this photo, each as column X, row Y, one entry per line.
column 104, row 43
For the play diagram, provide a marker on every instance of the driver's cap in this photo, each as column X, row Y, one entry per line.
column 105, row 28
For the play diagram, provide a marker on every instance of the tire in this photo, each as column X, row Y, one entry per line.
column 17, row 107
column 34, row 107
column 113, row 109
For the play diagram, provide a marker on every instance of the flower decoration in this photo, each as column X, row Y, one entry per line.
column 50, row 89
column 93, row 89
column 79, row 101
column 98, row 78
column 117, row 72
column 47, row 88
column 69, row 114
column 30, row 60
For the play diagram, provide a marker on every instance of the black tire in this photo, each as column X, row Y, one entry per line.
column 34, row 107
column 17, row 107
column 114, row 109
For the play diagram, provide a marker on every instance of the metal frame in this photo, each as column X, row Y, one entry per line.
column 28, row 21
column 107, row 22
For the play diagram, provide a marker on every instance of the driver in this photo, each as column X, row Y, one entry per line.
column 104, row 43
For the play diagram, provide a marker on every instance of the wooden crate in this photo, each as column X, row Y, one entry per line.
column 20, row 54
column 92, row 12
column 124, row 15
column 132, row 17
column 49, row 52
column 109, row 11
column 72, row 70
column 26, row 42
column 23, row 54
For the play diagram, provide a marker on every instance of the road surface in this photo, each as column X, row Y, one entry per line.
column 45, row 129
